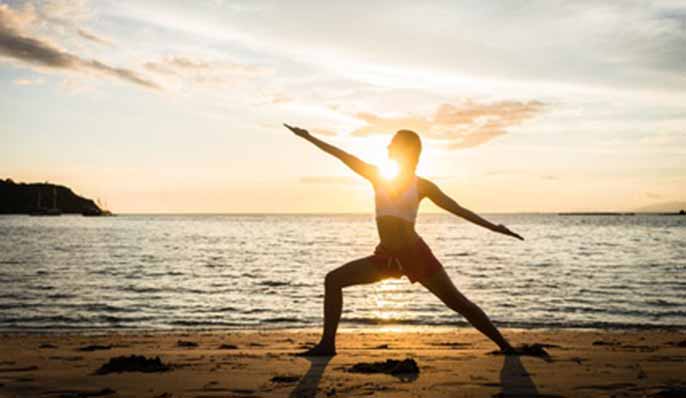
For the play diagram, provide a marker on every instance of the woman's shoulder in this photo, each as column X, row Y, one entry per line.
column 425, row 186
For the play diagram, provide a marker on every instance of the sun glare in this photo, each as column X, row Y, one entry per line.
column 388, row 169
column 374, row 151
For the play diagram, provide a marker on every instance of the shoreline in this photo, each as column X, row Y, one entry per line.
column 261, row 364
column 382, row 328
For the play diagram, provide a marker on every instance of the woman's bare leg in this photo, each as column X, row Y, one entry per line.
column 440, row 284
column 356, row 272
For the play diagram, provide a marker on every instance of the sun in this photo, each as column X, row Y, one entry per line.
column 375, row 151
column 388, row 169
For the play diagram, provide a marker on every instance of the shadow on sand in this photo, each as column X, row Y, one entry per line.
column 308, row 385
column 516, row 380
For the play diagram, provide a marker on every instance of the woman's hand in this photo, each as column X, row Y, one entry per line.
column 506, row 231
column 298, row 131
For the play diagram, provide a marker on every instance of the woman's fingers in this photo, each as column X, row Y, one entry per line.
column 507, row 231
column 296, row 130
column 515, row 235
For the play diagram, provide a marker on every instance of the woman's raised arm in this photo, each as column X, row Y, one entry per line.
column 360, row 167
column 447, row 203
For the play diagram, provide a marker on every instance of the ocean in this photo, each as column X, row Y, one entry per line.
column 199, row 272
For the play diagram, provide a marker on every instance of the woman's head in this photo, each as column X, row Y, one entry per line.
column 405, row 148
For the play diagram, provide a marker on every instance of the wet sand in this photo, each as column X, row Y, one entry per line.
column 261, row 364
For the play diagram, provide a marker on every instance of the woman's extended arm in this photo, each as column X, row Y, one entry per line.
column 447, row 203
column 362, row 168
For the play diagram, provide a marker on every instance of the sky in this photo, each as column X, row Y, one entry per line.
column 176, row 106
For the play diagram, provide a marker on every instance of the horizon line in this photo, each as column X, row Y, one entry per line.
column 325, row 213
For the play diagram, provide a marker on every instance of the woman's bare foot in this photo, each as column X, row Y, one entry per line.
column 508, row 349
column 320, row 350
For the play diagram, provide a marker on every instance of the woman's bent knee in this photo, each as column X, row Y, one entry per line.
column 331, row 281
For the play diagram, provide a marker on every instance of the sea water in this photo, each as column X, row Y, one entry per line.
column 254, row 271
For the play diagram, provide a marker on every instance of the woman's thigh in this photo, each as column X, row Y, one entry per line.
column 358, row 272
column 440, row 284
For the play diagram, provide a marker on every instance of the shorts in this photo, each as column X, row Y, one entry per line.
column 417, row 263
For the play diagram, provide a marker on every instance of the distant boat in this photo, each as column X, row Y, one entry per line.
column 677, row 213
column 43, row 211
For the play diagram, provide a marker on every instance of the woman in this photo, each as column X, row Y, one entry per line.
column 401, row 250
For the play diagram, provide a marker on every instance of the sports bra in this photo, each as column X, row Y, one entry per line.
column 402, row 205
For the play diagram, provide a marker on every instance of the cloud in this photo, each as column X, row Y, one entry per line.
column 324, row 132
column 624, row 44
column 28, row 82
column 64, row 12
column 16, row 44
column 88, row 35
column 280, row 99
column 465, row 125
column 206, row 71
column 335, row 180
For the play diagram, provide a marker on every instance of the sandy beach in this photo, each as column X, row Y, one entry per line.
column 261, row 364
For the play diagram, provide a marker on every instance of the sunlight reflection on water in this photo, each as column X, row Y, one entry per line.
column 248, row 271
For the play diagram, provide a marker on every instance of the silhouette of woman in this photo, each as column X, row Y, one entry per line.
column 401, row 250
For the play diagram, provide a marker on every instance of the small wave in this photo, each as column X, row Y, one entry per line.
column 402, row 321
column 102, row 307
column 215, row 309
column 460, row 254
column 282, row 320
column 274, row 283
column 663, row 303
column 42, row 287
column 182, row 290
column 255, row 311
column 203, row 323
column 142, row 289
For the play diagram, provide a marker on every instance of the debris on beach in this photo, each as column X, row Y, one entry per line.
column 381, row 347
column 285, row 379
column 83, row 394
column 680, row 344
column 47, row 346
column 95, row 347
column 605, row 343
column 186, row 344
column 18, row 369
column 133, row 363
column 390, row 366
column 228, row 347
column 451, row 345
column 671, row 392
column 67, row 358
